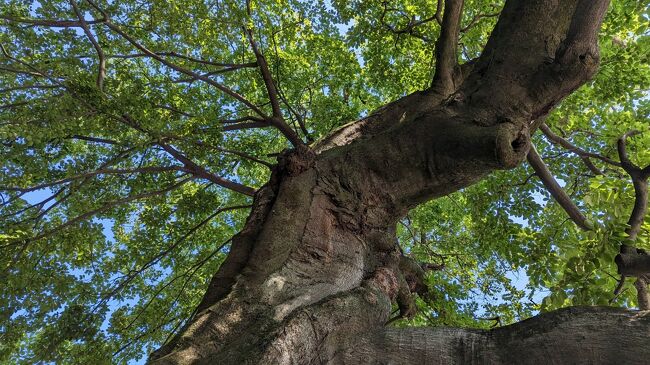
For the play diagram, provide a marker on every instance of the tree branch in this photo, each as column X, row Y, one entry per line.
column 412, row 23
column 28, row 87
column 101, row 74
column 134, row 273
column 632, row 261
column 266, row 74
column 226, row 65
column 277, row 120
column 447, row 47
column 53, row 23
column 108, row 205
column 560, row 196
column 546, row 338
column 185, row 71
column 95, row 139
column 626, row 163
column 585, row 155
column 632, row 264
column 540, row 70
column 249, row 125
column 475, row 19
column 640, row 182
column 199, row 171
column 642, row 294
column 582, row 37
column 146, row 169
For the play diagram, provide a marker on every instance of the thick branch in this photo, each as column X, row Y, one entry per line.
column 640, row 208
column 527, row 53
column 633, row 264
column 631, row 261
column 582, row 38
column 642, row 294
column 640, row 182
column 606, row 335
column 556, row 190
column 621, row 145
column 447, row 47
column 246, row 125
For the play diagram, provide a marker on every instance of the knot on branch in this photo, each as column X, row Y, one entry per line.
column 296, row 161
column 386, row 281
column 580, row 61
column 633, row 263
column 512, row 144
column 412, row 280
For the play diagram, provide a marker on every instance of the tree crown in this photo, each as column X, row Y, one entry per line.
column 134, row 134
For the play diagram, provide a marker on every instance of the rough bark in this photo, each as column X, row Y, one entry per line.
column 579, row 335
column 316, row 267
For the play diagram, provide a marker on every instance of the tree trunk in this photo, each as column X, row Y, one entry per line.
column 311, row 278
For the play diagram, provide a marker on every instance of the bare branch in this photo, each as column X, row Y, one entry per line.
column 619, row 287
column 642, row 294
column 38, row 205
column 410, row 27
column 146, row 169
column 95, row 139
column 447, row 47
column 106, row 206
column 191, row 270
column 220, row 149
column 24, row 72
column 640, row 182
column 134, row 273
column 211, row 73
column 277, row 120
column 266, row 75
column 242, row 119
column 185, row 71
column 640, row 207
column 52, row 23
column 556, row 139
column 476, row 18
column 556, row 190
column 438, row 14
column 101, row 74
column 199, row 171
column 621, row 145
column 28, row 87
column 251, row 125
column 246, row 156
column 229, row 66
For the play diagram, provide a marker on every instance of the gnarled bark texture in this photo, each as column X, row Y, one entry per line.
column 311, row 278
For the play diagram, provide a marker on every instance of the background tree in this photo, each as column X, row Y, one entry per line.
column 135, row 135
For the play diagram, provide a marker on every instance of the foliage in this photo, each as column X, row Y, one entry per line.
column 108, row 239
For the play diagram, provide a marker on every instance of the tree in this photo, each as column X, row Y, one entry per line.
column 153, row 148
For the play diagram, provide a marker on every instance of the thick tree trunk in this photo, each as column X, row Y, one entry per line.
column 311, row 278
